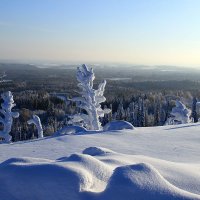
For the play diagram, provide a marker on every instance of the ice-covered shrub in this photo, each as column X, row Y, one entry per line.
column 180, row 114
column 90, row 100
column 7, row 115
column 36, row 121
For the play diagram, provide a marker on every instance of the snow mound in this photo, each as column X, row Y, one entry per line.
column 97, row 151
column 41, row 181
column 27, row 178
column 81, row 177
column 143, row 182
column 99, row 171
column 118, row 125
column 70, row 130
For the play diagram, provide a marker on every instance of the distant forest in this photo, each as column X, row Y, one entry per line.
column 139, row 95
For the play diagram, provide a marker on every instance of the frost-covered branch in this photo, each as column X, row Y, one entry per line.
column 36, row 121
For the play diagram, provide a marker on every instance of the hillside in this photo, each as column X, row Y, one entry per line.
column 145, row 163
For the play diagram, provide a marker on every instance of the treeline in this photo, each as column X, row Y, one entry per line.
column 54, row 110
column 51, row 109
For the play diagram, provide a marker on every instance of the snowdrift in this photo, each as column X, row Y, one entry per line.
column 118, row 125
column 142, row 181
column 82, row 176
column 97, row 151
column 69, row 130
column 159, row 163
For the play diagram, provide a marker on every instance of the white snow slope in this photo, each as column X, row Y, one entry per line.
column 158, row 163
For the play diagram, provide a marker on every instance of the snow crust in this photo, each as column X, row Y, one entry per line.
column 158, row 163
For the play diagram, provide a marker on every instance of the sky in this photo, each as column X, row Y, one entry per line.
column 149, row 32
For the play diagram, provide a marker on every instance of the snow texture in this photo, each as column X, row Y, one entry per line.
column 90, row 100
column 180, row 113
column 8, row 115
column 118, row 125
column 36, row 121
column 157, row 163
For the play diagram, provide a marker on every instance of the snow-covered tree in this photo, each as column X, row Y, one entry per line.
column 2, row 76
column 36, row 121
column 121, row 114
column 194, row 110
column 7, row 115
column 141, row 113
column 180, row 113
column 167, row 111
column 132, row 117
column 157, row 114
column 90, row 100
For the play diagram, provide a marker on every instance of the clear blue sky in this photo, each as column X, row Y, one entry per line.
column 127, row 31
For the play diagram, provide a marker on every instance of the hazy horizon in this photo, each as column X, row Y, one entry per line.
column 47, row 64
column 148, row 32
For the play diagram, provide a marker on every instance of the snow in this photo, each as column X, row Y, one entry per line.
column 117, row 125
column 97, row 151
column 144, row 182
column 180, row 113
column 68, row 130
column 8, row 115
column 144, row 163
column 90, row 100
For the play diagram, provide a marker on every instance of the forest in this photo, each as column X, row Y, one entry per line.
column 139, row 96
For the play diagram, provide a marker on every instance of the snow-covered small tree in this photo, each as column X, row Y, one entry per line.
column 180, row 113
column 90, row 100
column 132, row 117
column 194, row 110
column 121, row 114
column 7, row 115
column 167, row 111
column 36, row 121
column 142, row 113
column 157, row 114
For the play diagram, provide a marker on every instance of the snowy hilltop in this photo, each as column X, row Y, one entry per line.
column 158, row 163
column 89, row 160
